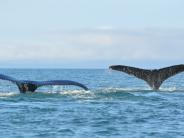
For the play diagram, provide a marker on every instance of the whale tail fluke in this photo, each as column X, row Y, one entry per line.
column 155, row 77
column 26, row 85
column 31, row 86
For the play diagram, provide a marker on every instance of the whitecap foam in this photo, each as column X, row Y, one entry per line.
column 169, row 89
column 74, row 93
column 126, row 89
column 139, row 89
column 7, row 94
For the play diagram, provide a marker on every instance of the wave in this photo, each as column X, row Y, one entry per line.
column 101, row 93
column 140, row 89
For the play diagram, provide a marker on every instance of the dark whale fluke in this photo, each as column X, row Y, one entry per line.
column 155, row 77
column 26, row 85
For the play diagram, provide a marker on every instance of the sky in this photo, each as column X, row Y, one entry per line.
column 91, row 34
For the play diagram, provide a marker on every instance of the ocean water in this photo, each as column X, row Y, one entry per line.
column 117, row 105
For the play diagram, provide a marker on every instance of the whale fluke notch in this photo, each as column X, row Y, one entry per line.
column 155, row 77
column 26, row 85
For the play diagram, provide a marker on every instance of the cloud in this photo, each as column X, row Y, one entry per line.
column 103, row 43
column 163, row 44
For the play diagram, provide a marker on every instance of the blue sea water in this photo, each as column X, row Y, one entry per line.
column 117, row 105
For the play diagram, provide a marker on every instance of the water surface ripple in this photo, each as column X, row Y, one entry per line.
column 117, row 105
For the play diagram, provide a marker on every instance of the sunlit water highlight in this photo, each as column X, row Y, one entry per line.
column 117, row 105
